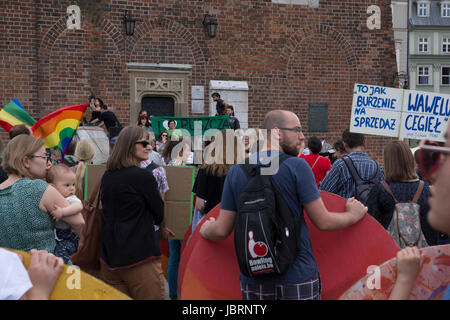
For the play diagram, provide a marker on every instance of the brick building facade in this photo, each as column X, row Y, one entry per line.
column 290, row 55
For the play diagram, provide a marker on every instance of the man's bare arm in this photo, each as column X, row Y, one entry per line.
column 220, row 229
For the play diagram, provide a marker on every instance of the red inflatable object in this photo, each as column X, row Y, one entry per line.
column 209, row 270
column 344, row 255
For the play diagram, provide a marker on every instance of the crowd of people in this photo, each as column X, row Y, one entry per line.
column 41, row 200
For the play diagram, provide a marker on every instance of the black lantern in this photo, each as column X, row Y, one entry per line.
column 129, row 24
column 210, row 24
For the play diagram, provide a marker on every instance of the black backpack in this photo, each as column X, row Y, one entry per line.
column 266, row 231
column 362, row 187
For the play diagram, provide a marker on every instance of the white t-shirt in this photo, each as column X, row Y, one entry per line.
column 14, row 279
column 73, row 198
column 62, row 224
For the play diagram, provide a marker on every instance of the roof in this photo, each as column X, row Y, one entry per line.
column 433, row 20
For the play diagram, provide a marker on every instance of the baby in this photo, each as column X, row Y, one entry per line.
column 63, row 179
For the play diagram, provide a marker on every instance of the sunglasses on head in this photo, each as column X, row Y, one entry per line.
column 430, row 157
column 143, row 143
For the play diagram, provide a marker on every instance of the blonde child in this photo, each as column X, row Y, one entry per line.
column 63, row 179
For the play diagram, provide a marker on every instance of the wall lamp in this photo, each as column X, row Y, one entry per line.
column 210, row 24
column 129, row 23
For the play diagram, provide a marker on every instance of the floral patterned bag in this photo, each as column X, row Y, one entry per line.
column 405, row 226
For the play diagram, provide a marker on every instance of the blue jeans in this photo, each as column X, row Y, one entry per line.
column 197, row 218
column 172, row 268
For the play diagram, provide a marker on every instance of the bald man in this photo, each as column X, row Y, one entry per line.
column 296, row 182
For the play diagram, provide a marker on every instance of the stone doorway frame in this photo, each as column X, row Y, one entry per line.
column 159, row 80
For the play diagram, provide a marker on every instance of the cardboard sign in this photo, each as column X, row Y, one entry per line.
column 94, row 173
column 376, row 110
column 393, row 112
column 425, row 115
column 179, row 199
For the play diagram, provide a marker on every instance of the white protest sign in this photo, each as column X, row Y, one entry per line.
column 425, row 115
column 393, row 112
column 376, row 110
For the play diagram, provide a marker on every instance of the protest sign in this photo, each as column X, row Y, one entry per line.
column 399, row 113
column 425, row 115
column 376, row 110
column 179, row 199
column 94, row 173
column 220, row 123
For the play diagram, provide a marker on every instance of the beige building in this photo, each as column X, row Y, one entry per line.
column 400, row 27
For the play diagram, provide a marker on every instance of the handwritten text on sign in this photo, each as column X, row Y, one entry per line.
column 425, row 115
column 399, row 113
column 376, row 110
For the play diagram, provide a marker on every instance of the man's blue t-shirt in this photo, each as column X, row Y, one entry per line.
column 296, row 182
column 446, row 295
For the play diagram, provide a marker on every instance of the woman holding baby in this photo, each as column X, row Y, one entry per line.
column 28, row 205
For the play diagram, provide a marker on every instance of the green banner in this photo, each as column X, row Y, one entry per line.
column 160, row 124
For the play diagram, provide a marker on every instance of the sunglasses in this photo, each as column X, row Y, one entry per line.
column 143, row 143
column 430, row 157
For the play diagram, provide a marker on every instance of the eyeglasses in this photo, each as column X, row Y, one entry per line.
column 429, row 157
column 47, row 158
column 164, row 135
column 297, row 130
column 143, row 143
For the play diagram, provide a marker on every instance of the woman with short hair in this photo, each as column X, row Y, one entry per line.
column 132, row 205
column 26, row 201
column 402, row 179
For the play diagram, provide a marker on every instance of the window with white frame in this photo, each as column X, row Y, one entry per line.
column 423, row 44
column 424, row 75
column 445, row 76
column 446, row 45
column 423, row 9
column 445, row 9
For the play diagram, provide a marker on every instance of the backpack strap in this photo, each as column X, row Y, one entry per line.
column 416, row 195
column 418, row 192
column 354, row 173
column 388, row 190
column 351, row 168
column 254, row 169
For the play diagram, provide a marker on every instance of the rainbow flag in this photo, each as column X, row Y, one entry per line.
column 13, row 114
column 58, row 128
